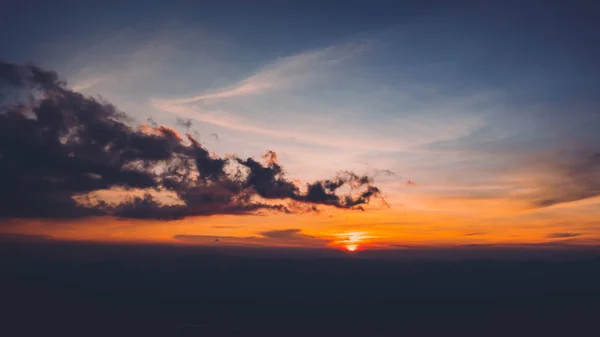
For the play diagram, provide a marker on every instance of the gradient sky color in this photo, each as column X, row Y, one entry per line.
column 479, row 120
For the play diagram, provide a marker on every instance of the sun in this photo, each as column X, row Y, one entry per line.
column 351, row 248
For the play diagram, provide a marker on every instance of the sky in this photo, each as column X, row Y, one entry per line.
column 471, row 123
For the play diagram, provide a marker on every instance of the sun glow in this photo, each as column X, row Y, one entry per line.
column 351, row 241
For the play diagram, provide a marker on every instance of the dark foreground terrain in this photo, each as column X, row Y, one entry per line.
column 57, row 289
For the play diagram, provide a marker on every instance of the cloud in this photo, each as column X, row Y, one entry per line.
column 475, row 233
column 562, row 235
column 214, row 240
column 282, row 237
column 87, row 83
column 282, row 233
column 231, row 121
column 18, row 237
column 58, row 146
column 282, row 73
column 293, row 236
column 576, row 177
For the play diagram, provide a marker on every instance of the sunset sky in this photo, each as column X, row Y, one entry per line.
column 477, row 122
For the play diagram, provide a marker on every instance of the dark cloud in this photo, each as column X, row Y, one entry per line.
column 293, row 236
column 269, row 182
column 185, row 123
column 215, row 240
column 282, row 234
column 285, row 237
column 18, row 237
column 578, row 178
column 58, row 146
column 475, row 233
column 562, row 235
column 384, row 172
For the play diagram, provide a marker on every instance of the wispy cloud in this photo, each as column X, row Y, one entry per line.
column 323, row 125
column 230, row 121
column 282, row 73
column 87, row 83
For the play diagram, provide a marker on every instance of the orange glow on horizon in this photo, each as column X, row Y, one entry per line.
column 348, row 231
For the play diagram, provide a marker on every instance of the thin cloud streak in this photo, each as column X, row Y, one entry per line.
column 87, row 83
column 282, row 73
column 287, row 237
column 222, row 119
column 412, row 131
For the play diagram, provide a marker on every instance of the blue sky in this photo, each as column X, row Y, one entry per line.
column 478, row 100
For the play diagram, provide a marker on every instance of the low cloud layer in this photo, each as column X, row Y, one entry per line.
column 58, row 147
column 282, row 237
column 562, row 235
column 18, row 237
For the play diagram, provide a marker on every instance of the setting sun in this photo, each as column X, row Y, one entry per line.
column 351, row 248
